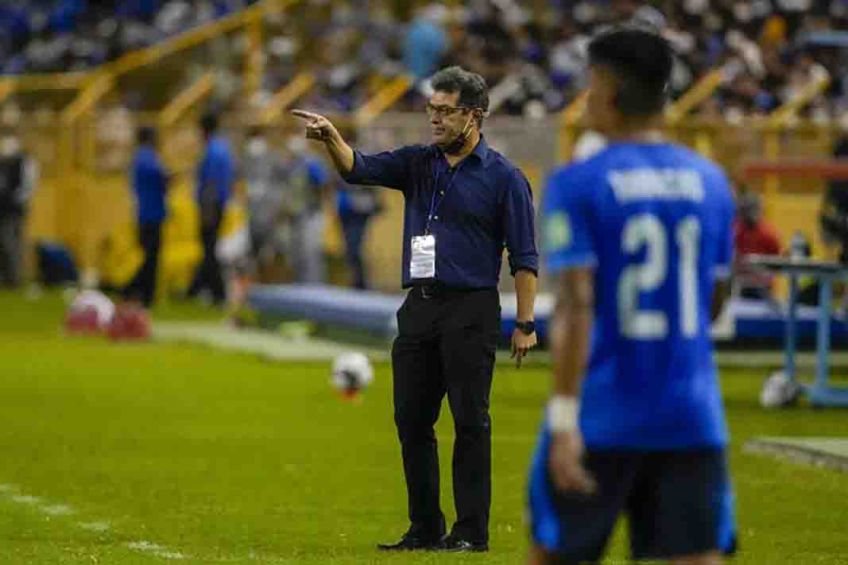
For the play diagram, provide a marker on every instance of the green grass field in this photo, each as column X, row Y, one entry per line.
column 141, row 453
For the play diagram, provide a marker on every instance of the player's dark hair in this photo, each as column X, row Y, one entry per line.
column 472, row 88
column 209, row 124
column 145, row 135
column 641, row 62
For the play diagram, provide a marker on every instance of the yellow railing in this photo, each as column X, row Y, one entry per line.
column 384, row 99
column 286, row 96
column 189, row 97
column 775, row 124
column 703, row 89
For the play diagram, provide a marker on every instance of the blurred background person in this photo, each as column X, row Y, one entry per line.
column 426, row 42
column 263, row 172
column 150, row 185
column 356, row 205
column 17, row 179
column 215, row 177
column 752, row 235
column 305, row 186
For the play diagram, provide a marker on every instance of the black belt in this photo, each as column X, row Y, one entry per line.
column 439, row 290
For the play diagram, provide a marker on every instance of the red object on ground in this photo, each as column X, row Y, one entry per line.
column 131, row 322
column 82, row 322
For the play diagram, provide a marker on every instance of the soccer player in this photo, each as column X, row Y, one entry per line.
column 635, row 238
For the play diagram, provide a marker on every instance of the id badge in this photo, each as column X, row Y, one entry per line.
column 422, row 264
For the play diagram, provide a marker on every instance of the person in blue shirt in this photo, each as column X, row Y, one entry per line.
column 150, row 185
column 215, row 178
column 635, row 239
column 356, row 206
column 464, row 202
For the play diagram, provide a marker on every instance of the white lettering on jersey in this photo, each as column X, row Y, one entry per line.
column 656, row 184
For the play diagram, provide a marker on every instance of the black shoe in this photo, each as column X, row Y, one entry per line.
column 413, row 542
column 455, row 544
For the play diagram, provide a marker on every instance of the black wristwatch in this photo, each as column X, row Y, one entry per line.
column 527, row 327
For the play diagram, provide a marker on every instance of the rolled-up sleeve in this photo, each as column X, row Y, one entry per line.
column 388, row 168
column 519, row 225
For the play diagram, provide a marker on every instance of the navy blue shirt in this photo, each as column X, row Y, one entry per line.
column 481, row 205
column 149, row 184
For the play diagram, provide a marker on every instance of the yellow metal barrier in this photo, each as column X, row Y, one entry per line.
column 56, row 81
column 569, row 119
column 286, row 96
column 775, row 123
column 694, row 97
column 254, row 62
column 383, row 100
column 194, row 94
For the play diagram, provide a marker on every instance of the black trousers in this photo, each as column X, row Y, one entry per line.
column 446, row 345
column 208, row 274
column 143, row 285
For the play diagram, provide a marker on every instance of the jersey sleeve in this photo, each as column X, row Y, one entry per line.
column 567, row 234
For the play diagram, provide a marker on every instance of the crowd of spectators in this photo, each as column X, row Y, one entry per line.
column 535, row 58
column 43, row 36
column 531, row 53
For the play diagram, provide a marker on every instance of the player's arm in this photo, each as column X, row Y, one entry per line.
column 320, row 128
column 570, row 330
column 570, row 257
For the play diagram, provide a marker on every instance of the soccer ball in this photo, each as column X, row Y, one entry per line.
column 779, row 391
column 352, row 372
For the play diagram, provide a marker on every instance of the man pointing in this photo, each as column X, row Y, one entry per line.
column 464, row 202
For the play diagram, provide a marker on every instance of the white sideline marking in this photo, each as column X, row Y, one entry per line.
column 25, row 499
column 94, row 526
column 57, row 510
column 155, row 549
column 12, row 492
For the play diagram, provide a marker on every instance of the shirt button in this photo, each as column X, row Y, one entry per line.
column 435, row 217
column 441, row 193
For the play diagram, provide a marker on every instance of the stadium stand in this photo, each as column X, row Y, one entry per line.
column 754, row 80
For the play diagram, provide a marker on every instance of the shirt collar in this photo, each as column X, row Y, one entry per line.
column 482, row 151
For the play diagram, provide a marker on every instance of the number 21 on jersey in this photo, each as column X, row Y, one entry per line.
column 646, row 230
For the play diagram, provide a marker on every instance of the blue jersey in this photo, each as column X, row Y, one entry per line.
column 654, row 221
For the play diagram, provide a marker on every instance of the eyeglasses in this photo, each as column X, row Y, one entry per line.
column 445, row 111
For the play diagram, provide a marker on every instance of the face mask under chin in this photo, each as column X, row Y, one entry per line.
column 455, row 146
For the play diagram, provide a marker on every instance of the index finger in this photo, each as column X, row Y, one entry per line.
column 304, row 115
